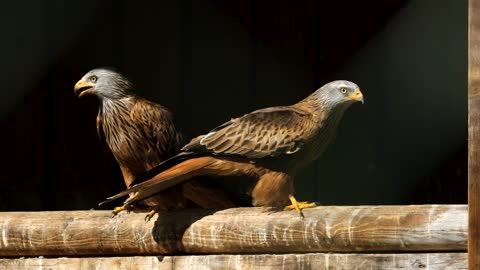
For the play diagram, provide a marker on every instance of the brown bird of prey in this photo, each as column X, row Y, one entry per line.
column 141, row 134
column 270, row 145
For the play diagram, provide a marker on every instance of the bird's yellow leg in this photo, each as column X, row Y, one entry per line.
column 298, row 206
column 150, row 214
column 119, row 209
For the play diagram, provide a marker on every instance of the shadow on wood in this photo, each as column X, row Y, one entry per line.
column 170, row 227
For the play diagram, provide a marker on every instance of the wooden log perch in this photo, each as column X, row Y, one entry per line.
column 240, row 230
column 432, row 261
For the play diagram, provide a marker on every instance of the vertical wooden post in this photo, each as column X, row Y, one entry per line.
column 474, row 135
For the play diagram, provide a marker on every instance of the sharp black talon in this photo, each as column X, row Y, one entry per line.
column 301, row 214
column 147, row 218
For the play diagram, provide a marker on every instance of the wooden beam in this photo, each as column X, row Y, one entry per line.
column 238, row 230
column 474, row 134
column 430, row 261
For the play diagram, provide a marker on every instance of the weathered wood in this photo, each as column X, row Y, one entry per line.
column 240, row 230
column 474, row 134
column 430, row 261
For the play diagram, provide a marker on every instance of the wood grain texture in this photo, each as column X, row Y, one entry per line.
column 236, row 230
column 430, row 261
column 474, row 135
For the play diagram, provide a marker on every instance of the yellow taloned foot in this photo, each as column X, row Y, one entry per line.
column 298, row 206
column 152, row 213
column 119, row 209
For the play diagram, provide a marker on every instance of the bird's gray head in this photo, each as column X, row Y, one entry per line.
column 103, row 83
column 337, row 93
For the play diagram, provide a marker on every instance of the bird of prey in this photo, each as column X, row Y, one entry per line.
column 141, row 134
column 269, row 145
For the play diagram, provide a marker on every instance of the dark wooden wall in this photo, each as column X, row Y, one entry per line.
column 212, row 60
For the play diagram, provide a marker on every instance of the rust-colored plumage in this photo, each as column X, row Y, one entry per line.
column 270, row 145
column 141, row 134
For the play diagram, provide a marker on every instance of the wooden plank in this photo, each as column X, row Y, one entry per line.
column 264, row 261
column 474, row 135
column 238, row 230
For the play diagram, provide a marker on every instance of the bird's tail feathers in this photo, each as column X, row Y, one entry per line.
column 163, row 167
column 166, row 179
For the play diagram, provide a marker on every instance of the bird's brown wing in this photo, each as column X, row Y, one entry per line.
column 160, row 138
column 156, row 124
column 267, row 132
column 145, row 136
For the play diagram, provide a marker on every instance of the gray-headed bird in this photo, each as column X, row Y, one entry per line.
column 141, row 134
column 270, row 145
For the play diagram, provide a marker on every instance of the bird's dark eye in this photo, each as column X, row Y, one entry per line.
column 93, row 78
column 343, row 90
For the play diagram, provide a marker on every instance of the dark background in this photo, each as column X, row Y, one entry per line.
column 212, row 60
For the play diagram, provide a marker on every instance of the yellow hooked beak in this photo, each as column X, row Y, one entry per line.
column 81, row 88
column 356, row 96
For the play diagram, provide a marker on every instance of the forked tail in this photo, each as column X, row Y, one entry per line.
column 168, row 178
